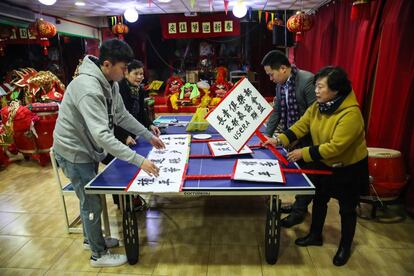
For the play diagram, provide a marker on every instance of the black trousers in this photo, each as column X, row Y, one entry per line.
column 347, row 210
column 346, row 184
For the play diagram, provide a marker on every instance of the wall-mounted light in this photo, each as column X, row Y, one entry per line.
column 131, row 15
column 47, row 2
column 239, row 9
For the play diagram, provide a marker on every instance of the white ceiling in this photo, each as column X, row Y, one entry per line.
column 65, row 8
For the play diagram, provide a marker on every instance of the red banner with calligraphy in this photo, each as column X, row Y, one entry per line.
column 179, row 26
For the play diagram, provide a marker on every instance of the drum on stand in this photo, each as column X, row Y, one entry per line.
column 387, row 178
column 387, row 171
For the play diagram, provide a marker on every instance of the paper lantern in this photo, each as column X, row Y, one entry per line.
column 120, row 30
column 275, row 22
column 43, row 30
column 299, row 23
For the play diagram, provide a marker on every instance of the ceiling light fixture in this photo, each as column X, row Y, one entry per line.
column 131, row 15
column 239, row 9
column 80, row 4
column 47, row 2
column 164, row 1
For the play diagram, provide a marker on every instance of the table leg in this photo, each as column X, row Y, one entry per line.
column 272, row 230
column 130, row 230
column 105, row 219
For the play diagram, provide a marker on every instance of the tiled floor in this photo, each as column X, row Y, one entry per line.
column 183, row 236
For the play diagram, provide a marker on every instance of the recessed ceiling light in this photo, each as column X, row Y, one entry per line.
column 80, row 3
column 47, row 2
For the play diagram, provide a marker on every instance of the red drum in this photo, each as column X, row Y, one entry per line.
column 44, row 129
column 387, row 169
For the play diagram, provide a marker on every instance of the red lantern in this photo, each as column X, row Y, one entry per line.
column 360, row 9
column 276, row 22
column 120, row 30
column 299, row 23
column 43, row 30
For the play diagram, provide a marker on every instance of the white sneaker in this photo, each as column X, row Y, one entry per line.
column 108, row 260
column 109, row 242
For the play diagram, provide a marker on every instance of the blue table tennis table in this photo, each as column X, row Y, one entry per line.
column 117, row 175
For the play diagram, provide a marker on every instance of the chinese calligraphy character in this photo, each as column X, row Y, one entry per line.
column 174, row 160
column 267, row 164
column 221, row 120
column 254, row 115
column 260, row 108
column 229, row 128
column 194, row 27
column 235, row 122
column 172, row 28
column 171, row 170
column 221, row 144
column 158, row 161
column 165, row 182
column 233, row 106
column 266, row 173
column 241, row 99
column 206, row 27
column 247, row 92
column 182, row 27
column 228, row 26
column 146, row 181
column 240, row 115
column 248, row 108
column 226, row 113
column 249, row 163
column 251, row 172
column 217, row 26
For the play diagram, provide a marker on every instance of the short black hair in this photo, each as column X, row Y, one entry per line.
column 337, row 79
column 115, row 51
column 275, row 59
column 135, row 64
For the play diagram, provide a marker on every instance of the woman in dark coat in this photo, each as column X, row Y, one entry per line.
column 133, row 95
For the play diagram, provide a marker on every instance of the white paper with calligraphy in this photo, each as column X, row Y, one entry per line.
column 172, row 162
column 239, row 114
column 258, row 170
column 223, row 148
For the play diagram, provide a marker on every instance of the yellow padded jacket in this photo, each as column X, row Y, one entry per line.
column 338, row 138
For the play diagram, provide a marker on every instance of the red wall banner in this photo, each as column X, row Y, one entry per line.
column 179, row 26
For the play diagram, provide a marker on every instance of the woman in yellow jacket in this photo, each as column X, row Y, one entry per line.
column 337, row 128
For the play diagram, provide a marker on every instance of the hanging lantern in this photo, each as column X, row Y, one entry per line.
column 32, row 28
column 120, row 30
column 275, row 22
column 360, row 8
column 299, row 23
column 43, row 30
